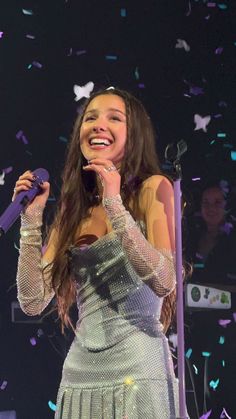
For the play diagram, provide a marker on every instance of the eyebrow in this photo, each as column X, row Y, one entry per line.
column 110, row 109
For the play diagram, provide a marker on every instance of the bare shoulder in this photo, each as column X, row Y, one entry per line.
column 157, row 183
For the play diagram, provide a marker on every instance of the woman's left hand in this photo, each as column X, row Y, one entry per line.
column 108, row 174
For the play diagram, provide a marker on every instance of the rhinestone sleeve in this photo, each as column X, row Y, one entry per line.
column 156, row 266
column 34, row 289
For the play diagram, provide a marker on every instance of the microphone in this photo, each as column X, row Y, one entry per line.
column 22, row 200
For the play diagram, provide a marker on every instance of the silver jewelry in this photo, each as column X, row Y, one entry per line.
column 14, row 190
column 109, row 169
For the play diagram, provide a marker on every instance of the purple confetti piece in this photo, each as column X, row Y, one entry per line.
column 141, row 85
column 224, row 323
column 8, row 169
column 219, row 50
column 24, row 139
column 3, row 385
column 195, row 179
column 234, row 316
column 30, row 36
column 19, row 134
column 1, row 34
column 223, row 104
column 211, row 4
column 33, row 341
column 206, row 415
column 37, row 64
column 218, row 115
column 195, row 90
column 81, row 52
column 224, row 414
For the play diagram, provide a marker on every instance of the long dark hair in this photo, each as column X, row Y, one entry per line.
column 79, row 193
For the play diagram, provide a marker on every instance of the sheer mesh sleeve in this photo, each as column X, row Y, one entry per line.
column 34, row 289
column 153, row 258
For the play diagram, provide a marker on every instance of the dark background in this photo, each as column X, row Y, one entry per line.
column 72, row 40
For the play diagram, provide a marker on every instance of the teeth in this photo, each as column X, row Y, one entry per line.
column 102, row 141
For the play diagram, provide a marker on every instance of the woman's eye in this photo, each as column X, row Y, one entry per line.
column 115, row 118
column 89, row 118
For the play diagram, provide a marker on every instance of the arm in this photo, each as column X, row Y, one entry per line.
column 152, row 258
column 34, row 288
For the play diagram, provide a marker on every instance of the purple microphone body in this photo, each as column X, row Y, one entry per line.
column 22, row 199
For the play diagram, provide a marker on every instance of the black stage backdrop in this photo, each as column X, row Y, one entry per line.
column 178, row 57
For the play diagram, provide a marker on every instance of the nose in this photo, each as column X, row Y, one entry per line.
column 99, row 125
column 99, row 128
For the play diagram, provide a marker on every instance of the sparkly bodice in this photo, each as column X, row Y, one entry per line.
column 112, row 300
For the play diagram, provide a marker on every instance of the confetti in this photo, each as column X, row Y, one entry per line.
column 195, row 369
column 30, row 36
column 2, row 176
column 83, row 91
column 123, row 12
column 27, row 12
column 182, row 44
column 206, row 415
column 3, row 385
column 201, row 122
column 52, row 406
column 111, row 57
column 20, row 136
column 1, row 34
column 206, row 354
column 222, row 340
column 224, row 414
column 214, row 384
column 189, row 353
column 224, row 323
column 33, row 341
column 233, row 155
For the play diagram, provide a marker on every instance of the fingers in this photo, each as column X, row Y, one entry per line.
column 25, row 182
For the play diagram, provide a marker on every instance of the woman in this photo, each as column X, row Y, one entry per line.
column 111, row 248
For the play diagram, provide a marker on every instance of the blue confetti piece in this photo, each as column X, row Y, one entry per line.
column 188, row 353
column 123, row 12
column 233, row 155
column 214, row 384
column 52, row 406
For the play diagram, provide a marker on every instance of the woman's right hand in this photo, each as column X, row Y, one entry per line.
column 24, row 183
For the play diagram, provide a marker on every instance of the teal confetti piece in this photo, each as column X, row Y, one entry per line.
column 52, row 406
column 233, row 155
column 221, row 135
column 188, row 353
column 214, row 384
column 206, row 354
column 198, row 265
column 212, row 142
column 223, row 363
column 222, row 6
column 123, row 12
column 29, row 66
column 111, row 57
column 222, row 340
column 227, row 145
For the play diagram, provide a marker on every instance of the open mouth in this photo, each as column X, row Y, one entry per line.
column 100, row 142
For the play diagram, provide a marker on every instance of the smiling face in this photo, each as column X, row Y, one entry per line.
column 103, row 130
column 213, row 206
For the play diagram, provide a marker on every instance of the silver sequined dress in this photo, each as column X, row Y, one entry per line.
column 119, row 365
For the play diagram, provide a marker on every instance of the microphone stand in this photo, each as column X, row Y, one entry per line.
column 173, row 153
